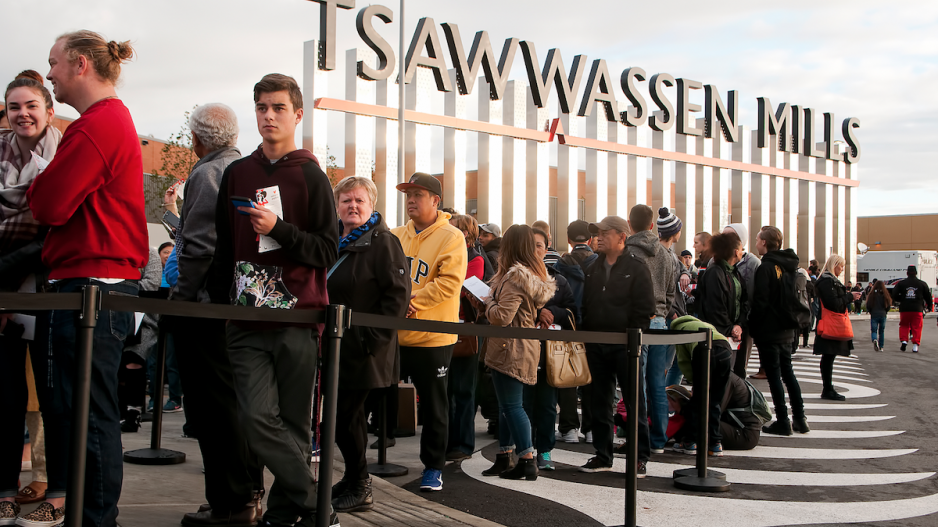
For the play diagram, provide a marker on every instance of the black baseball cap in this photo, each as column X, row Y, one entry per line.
column 579, row 231
column 685, row 252
column 424, row 181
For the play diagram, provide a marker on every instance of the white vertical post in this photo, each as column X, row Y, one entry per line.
column 707, row 221
column 661, row 171
column 721, row 208
column 567, row 175
column 597, row 168
column 514, row 159
column 759, row 192
column 419, row 97
column 454, row 150
column 619, row 169
column 490, row 161
column 638, row 168
column 386, row 154
column 850, row 220
column 537, row 165
column 807, row 213
column 359, row 129
column 740, row 183
column 685, row 192
column 315, row 85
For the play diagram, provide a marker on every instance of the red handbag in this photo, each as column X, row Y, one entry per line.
column 834, row 326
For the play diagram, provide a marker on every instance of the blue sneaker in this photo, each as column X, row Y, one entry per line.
column 716, row 450
column 544, row 462
column 431, row 480
column 686, row 447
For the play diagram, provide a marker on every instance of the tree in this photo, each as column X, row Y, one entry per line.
column 332, row 169
column 178, row 157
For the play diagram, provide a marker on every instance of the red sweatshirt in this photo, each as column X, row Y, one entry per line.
column 91, row 194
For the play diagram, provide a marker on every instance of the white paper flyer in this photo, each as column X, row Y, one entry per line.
column 269, row 198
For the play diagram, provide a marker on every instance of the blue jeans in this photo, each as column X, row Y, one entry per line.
column 172, row 374
column 514, row 428
column 654, row 369
column 878, row 325
column 54, row 362
column 540, row 405
column 461, row 388
column 674, row 373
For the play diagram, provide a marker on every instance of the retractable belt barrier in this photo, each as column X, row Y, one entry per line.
column 336, row 319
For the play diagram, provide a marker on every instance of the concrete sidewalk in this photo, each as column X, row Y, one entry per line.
column 158, row 496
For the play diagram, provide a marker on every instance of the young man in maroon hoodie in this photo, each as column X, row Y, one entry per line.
column 91, row 196
column 275, row 253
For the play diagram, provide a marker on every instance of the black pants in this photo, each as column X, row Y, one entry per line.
column 720, row 365
column 461, row 388
column 351, row 432
column 485, row 394
column 429, row 369
column 540, row 403
column 569, row 417
column 735, row 438
column 13, row 396
column 776, row 361
column 232, row 471
column 373, row 407
column 608, row 363
column 131, row 383
column 741, row 357
column 827, row 371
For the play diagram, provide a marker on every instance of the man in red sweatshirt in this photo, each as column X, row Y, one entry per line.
column 91, row 196
column 275, row 253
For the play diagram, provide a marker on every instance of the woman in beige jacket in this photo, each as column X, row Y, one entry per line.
column 520, row 288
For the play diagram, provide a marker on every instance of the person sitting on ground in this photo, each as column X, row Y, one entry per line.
column 520, row 288
column 740, row 429
column 689, row 359
column 370, row 277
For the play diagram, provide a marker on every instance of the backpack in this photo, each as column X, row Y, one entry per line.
column 575, row 275
column 794, row 307
column 758, row 406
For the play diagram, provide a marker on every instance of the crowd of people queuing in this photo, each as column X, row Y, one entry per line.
column 72, row 215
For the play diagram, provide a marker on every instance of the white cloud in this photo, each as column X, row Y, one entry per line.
column 862, row 58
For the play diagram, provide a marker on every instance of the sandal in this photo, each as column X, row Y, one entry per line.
column 32, row 493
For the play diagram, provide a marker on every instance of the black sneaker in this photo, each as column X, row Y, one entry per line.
column 902, row 347
column 779, row 428
column 620, row 450
column 642, row 469
column 595, row 465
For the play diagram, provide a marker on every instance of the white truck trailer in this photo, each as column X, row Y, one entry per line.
column 891, row 266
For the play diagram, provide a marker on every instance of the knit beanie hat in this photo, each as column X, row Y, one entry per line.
column 742, row 232
column 668, row 223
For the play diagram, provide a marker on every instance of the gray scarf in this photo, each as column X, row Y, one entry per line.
column 17, row 225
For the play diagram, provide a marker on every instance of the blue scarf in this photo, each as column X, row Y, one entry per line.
column 359, row 231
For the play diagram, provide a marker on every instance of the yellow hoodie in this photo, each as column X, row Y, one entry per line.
column 437, row 259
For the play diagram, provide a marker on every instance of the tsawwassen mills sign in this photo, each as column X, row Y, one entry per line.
column 642, row 139
column 793, row 125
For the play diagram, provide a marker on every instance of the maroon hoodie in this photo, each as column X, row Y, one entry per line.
column 293, row 275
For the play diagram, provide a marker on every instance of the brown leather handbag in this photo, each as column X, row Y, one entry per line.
column 566, row 362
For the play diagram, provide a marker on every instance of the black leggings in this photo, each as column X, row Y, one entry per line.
column 827, row 371
column 132, row 383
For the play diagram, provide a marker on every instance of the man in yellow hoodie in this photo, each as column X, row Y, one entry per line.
column 437, row 254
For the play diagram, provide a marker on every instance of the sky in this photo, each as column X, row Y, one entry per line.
column 872, row 60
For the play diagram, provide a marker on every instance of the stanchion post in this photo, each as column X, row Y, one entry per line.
column 81, row 401
column 631, row 429
column 155, row 455
column 705, row 480
column 337, row 318
column 382, row 468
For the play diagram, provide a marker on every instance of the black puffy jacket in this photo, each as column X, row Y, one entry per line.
column 626, row 300
column 767, row 298
column 716, row 304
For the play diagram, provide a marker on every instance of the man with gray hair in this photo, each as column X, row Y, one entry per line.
column 232, row 472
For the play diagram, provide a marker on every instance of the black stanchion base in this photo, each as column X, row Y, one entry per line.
column 150, row 456
column 387, row 470
column 702, row 484
column 692, row 472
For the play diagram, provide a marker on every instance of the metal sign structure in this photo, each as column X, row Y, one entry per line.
column 781, row 173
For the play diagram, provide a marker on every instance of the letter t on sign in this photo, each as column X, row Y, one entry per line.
column 327, row 30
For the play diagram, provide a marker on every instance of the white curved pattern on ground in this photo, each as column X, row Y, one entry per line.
column 607, row 505
column 840, row 434
column 784, row 452
column 854, row 391
column 838, row 406
column 802, row 374
column 846, row 418
column 758, row 477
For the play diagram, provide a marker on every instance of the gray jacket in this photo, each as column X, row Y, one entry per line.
column 150, row 280
column 747, row 269
column 195, row 239
column 679, row 307
column 645, row 247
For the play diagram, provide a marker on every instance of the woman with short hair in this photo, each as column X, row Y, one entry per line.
column 877, row 304
column 371, row 276
column 835, row 297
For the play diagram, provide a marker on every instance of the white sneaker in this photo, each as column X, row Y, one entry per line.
column 572, row 436
column 657, row 451
column 589, row 437
column 914, row 348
